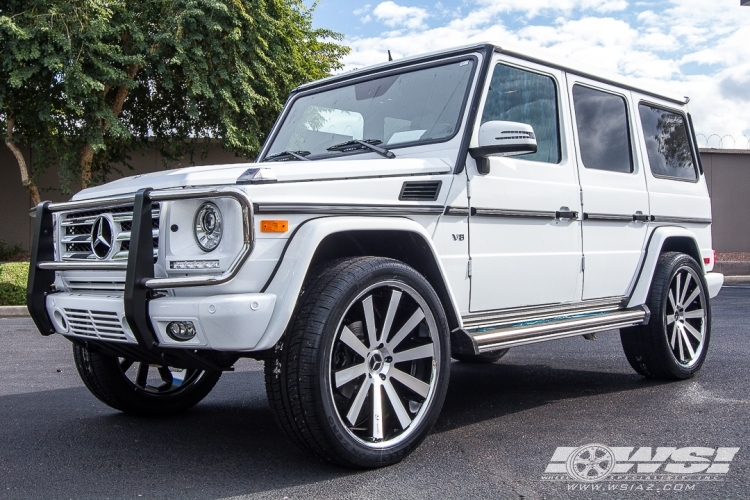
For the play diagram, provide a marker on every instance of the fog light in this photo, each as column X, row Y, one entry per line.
column 181, row 331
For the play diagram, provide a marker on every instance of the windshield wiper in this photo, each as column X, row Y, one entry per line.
column 355, row 144
column 288, row 156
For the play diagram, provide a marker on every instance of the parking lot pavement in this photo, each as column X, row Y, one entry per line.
column 497, row 433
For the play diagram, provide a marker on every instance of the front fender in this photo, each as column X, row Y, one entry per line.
column 658, row 238
column 292, row 270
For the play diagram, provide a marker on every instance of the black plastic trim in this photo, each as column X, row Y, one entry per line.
column 41, row 280
column 471, row 120
column 140, row 268
column 436, row 185
column 347, row 209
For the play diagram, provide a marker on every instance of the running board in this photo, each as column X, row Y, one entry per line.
column 485, row 339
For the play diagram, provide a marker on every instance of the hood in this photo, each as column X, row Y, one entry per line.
column 291, row 171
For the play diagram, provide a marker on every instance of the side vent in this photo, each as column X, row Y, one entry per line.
column 420, row 191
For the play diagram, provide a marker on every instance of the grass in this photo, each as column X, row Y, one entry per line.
column 13, row 277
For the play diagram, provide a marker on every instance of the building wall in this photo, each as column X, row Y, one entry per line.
column 727, row 174
column 16, row 225
column 728, row 177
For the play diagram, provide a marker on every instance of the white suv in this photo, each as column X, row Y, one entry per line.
column 451, row 205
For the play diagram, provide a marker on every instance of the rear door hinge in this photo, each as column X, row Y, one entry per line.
column 583, row 263
column 469, row 268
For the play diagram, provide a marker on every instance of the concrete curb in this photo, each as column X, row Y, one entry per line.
column 14, row 312
column 737, row 280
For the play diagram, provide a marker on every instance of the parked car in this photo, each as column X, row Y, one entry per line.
column 451, row 205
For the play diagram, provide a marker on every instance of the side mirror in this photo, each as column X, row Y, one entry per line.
column 498, row 138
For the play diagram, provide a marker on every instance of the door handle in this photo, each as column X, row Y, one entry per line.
column 640, row 217
column 565, row 213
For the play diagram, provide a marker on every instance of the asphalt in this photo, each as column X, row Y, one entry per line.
column 498, row 429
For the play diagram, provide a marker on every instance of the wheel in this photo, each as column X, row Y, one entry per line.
column 139, row 388
column 483, row 358
column 361, row 374
column 673, row 345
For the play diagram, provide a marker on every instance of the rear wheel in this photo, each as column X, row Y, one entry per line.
column 674, row 343
column 361, row 375
column 483, row 358
column 139, row 388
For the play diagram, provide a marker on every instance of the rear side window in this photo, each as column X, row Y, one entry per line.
column 603, row 131
column 521, row 96
column 667, row 143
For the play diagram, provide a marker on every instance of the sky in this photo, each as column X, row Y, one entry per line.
column 698, row 48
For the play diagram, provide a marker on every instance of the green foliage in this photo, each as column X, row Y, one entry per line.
column 13, row 278
column 115, row 76
column 11, row 252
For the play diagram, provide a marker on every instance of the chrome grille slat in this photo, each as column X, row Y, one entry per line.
column 76, row 227
column 99, row 285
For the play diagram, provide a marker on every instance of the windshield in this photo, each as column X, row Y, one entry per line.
column 406, row 109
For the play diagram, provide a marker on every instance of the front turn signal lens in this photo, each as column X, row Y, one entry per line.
column 274, row 226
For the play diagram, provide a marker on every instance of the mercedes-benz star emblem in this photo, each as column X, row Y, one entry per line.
column 102, row 237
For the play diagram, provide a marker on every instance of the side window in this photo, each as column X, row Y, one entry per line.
column 521, row 96
column 603, row 132
column 667, row 143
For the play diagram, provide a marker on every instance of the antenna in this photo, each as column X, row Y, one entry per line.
column 390, row 58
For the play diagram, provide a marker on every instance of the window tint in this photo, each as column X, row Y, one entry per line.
column 521, row 96
column 603, row 134
column 669, row 152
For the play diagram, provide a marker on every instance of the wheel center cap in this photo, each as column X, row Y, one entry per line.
column 376, row 362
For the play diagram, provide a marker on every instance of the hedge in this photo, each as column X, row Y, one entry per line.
column 13, row 277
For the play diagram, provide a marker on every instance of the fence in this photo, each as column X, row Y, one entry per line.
column 716, row 141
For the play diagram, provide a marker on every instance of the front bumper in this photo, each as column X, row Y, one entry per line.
column 222, row 322
column 140, row 315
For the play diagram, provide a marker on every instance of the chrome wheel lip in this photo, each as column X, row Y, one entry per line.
column 434, row 375
column 677, row 295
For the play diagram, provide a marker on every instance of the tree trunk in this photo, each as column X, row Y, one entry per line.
column 27, row 183
column 87, row 152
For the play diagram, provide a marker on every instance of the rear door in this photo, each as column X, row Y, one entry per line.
column 613, row 187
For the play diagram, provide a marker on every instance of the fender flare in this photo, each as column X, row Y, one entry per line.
column 657, row 239
column 292, row 270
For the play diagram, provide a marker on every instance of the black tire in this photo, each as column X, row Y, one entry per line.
column 303, row 377
column 661, row 351
column 107, row 378
column 483, row 358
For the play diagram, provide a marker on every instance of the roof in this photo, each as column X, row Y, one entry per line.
column 525, row 53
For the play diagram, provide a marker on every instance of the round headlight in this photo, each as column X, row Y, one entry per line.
column 208, row 227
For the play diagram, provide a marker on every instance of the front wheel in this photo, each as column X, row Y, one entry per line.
column 673, row 345
column 361, row 375
column 139, row 388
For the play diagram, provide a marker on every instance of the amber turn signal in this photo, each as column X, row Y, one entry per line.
column 274, row 226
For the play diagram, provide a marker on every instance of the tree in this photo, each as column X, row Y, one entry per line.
column 84, row 82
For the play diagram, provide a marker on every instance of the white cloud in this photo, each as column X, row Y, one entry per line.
column 662, row 44
column 395, row 16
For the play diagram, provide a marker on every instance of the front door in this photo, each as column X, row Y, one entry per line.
column 525, row 245
column 613, row 185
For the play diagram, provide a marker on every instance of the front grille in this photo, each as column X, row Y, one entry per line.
column 77, row 227
column 104, row 325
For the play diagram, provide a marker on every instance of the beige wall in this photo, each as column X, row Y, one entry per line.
column 728, row 177
column 15, row 223
column 727, row 174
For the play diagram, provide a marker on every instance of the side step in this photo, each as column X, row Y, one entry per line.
column 492, row 338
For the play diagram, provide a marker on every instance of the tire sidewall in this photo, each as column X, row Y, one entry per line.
column 338, row 434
